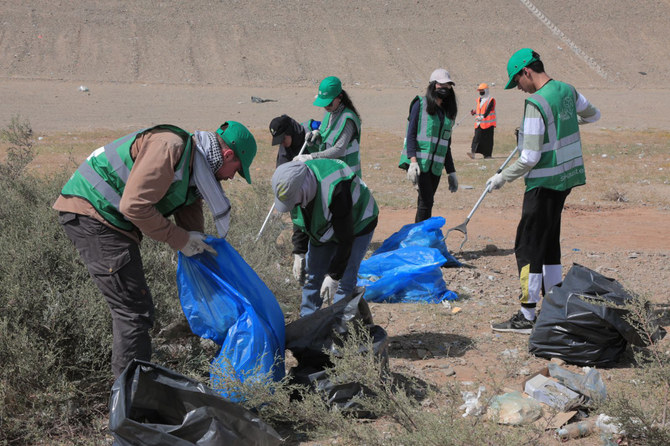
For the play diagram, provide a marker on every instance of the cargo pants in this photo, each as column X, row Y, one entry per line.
column 115, row 265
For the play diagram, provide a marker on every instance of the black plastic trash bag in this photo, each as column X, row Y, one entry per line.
column 578, row 324
column 313, row 337
column 153, row 405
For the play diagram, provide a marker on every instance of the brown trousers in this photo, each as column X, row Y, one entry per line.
column 115, row 265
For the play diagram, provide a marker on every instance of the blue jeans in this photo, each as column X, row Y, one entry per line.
column 317, row 262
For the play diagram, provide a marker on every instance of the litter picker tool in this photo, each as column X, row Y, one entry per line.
column 463, row 227
column 302, row 149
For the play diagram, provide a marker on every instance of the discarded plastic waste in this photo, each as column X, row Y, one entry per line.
column 83, row 88
column 575, row 430
column 590, row 385
column 472, row 405
column 550, row 392
column 608, row 426
column 257, row 100
column 513, row 408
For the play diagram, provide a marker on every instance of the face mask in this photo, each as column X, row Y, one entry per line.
column 482, row 93
column 442, row 93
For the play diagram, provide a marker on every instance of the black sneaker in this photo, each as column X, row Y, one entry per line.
column 517, row 324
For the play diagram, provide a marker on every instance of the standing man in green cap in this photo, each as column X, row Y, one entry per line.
column 128, row 189
column 339, row 135
column 551, row 163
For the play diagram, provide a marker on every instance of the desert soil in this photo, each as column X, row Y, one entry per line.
column 149, row 63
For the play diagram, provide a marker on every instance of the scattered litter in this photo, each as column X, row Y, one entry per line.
column 482, row 167
column 604, row 155
column 633, row 255
column 491, row 278
column 510, row 353
column 513, row 408
column 575, row 430
column 607, row 425
column 467, row 187
column 472, row 405
column 83, row 88
column 257, row 100
column 456, row 310
column 525, row 371
column 40, row 138
column 552, row 393
column 590, row 384
column 377, row 166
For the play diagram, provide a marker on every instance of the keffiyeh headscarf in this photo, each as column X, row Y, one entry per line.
column 208, row 160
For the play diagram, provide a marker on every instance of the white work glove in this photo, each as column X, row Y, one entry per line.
column 313, row 137
column 495, row 182
column 453, row 182
column 303, row 158
column 299, row 268
column 196, row 245
column 479, row 119
column 413, row 172
column 328, row 289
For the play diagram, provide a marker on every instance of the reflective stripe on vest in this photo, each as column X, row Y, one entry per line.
column 432, row 137
column 101, row 179
column 329, row 173
column 331, row 133
column 488, row 120
column 561, row 164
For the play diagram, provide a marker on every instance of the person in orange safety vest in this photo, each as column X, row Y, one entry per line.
column 485, row 123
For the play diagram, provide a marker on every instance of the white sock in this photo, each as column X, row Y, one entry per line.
column 528, row 313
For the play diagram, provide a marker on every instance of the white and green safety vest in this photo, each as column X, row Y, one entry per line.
column 561, row 165
column 329, row 173
column 432, row 138
column 102, row 177
column 330, row 134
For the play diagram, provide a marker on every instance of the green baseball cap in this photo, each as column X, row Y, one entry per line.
column 519, row 60
column 329, row 88
column 242, row 142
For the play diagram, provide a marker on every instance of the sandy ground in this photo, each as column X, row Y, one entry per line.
column 218, row 56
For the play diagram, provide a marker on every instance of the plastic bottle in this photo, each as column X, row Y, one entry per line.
column 575, row 430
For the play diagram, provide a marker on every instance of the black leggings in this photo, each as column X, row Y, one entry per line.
column 428, row 183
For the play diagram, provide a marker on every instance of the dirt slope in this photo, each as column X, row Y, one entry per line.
column 292, row 42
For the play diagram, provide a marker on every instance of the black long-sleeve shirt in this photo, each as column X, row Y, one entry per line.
column 342, row 219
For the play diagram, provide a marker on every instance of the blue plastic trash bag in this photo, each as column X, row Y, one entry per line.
column 426, row 233
column 410, row 274
column 224, row 300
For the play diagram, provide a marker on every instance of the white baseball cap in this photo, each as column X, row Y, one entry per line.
column 441, row 76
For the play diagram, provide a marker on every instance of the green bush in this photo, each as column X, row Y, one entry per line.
column 54, row 328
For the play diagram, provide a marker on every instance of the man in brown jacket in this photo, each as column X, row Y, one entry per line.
column 129, row 188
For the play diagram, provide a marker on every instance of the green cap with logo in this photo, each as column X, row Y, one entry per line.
column 242, row 142
column 519, row 60
column 329, row 89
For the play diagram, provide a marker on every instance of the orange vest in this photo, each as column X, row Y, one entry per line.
column 490, row 120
